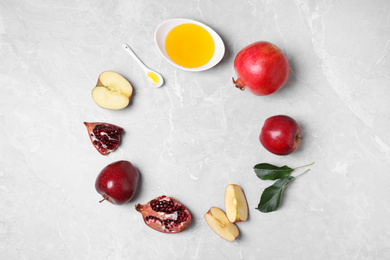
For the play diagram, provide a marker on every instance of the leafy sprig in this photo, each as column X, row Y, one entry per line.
column 271, row 196
column 266, row 171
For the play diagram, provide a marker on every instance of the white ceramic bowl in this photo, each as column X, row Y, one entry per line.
column 164, row 28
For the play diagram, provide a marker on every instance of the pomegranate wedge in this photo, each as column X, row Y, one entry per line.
column 165, row 214
column 104, row 137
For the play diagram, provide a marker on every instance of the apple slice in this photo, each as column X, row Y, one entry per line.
column 218, row 222
column 112, row 91
column 235, row 204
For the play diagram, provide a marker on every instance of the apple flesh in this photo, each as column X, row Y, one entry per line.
column 220, row 224
column 117, row 182
column 112, row 91
column 280, row 135
column 236, row 206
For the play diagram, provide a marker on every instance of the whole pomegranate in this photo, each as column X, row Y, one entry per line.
column 262, row 68
column 165, row 214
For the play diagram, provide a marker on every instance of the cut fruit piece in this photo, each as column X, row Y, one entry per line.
column 165, row 214
column 104, row 137
column 218, row 222
column 112, row 91
column 236, row 205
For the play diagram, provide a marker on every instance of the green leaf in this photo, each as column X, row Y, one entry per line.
column 266, row 171
column 270, row 199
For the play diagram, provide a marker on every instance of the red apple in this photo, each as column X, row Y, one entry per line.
column 280, row 135
column 117, row 182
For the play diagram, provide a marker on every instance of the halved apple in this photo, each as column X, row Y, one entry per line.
column 218, row 222
column 112, row 91
column 236, row 205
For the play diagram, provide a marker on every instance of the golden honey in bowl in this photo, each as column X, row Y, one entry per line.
column 189, row 45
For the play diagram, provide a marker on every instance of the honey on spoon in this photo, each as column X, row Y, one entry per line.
column 154, row 78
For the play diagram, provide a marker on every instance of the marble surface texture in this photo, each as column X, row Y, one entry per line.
column 196, row 134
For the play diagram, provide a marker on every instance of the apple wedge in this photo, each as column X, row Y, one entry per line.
column 218, row 222
column 236, row 205
column 112, row 91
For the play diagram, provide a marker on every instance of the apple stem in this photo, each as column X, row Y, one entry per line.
column 102, row 200
column 302, row 173
column 304, row 165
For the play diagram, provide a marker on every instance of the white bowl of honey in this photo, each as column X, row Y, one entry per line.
column 189, row 45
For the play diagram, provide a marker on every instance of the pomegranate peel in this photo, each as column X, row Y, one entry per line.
column 105, row 137
column 165, row 214
column 239, row 84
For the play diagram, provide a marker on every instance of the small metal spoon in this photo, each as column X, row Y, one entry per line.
column 154, row 78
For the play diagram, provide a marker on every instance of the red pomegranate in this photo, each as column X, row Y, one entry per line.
column 262, row 68
column 165, row 214
column 104, row 137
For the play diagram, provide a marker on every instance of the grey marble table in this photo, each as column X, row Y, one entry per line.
column 196, row 134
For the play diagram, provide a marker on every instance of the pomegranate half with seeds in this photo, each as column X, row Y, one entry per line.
column 104, row 137
column 165, row 214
